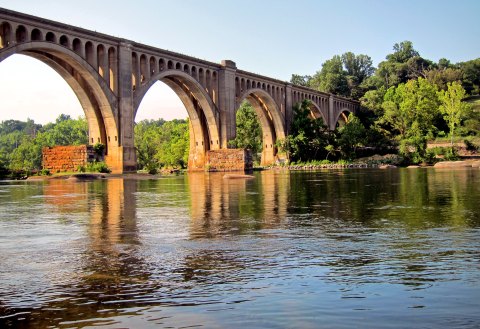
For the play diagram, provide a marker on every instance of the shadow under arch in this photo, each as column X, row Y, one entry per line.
column 317, row 113
column 204, row 125
column 96, row 98
column 342, row 117
column 271, row 120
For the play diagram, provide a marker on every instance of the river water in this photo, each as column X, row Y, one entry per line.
column 364, row 248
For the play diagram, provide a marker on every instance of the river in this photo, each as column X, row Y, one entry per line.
column 363, row 248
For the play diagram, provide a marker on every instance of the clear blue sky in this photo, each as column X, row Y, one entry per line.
column 270, row 37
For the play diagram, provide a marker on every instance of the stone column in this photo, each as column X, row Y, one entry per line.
column 331, row 113
column 226, row 102
column 288, row 107
column 126, row 111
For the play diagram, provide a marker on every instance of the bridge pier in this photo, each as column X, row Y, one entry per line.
column 126, row 112
column 227, row 102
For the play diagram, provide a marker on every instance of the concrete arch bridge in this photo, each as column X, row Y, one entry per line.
column 110, row 77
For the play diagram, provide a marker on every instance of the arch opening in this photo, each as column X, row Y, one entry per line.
column 5, row 35
column 95, row 99
column 21, row 34
column 202, row 118
column 161, row 130
column 248, row 131
column 271, row 121
column 342, row 118
column 51, row 114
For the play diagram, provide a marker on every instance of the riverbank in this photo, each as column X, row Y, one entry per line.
column 379, row 162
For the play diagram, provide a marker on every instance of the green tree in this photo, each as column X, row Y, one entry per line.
column 249, row 131
column 301, row 80
column 471, row 76
column 27, row 156
column 174, row 149
column 403, row 51
column 358, row 68
column 452, row 107
column 21, row 143
column 147, row 143
column 161, row 143
column 409, row 112
column 344, row 75
column 308, row 137
column 351, row 136
column 332, row 78
column 65, row 131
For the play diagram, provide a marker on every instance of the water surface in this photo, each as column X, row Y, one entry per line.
column 325, row 249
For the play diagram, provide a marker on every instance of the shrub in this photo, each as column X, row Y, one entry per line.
column 470, row 146
column 451, row 154
column 99, row 148
column 100, row 167
column 44, row 172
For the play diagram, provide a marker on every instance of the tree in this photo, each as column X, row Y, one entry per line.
column 352, row 136
column 308, row 137
column 301, row 80
column 404, row 64
column 161, row 143
column 409, row 112
column 471, row 76
column 452, row 107
column 442, row 76
column 358, row 68
column 65, row 131
column 344, row 75
column 331, row 78
column 403, row 51
column 174, row 149
column 249, row 131
column 147, row 144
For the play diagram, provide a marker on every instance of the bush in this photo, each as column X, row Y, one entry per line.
column 100, row 167
column 99, row 149
column 44, row 172
column 470, row 146
column 451, row 154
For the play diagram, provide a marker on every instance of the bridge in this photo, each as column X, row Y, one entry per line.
column 110, row 76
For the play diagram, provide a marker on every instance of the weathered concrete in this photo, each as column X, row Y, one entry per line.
column 110, row 77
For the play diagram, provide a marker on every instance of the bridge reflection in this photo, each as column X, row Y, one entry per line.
column 234, row 206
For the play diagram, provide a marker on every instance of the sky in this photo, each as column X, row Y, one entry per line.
column 276, row 38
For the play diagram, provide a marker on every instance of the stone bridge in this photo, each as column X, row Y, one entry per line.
column 110, row 76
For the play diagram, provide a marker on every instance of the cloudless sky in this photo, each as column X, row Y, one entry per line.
column 270, row 37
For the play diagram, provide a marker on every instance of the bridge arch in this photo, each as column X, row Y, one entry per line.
column 204, row 118
column 316, row 112
column 271, row 120
column 342, row 117
column 95, row 97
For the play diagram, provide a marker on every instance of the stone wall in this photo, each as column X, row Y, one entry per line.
column 66, row 158
column 229, row 160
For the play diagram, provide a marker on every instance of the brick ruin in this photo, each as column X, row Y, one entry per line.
column 229, row 160
column 66, row 158
column 70, row 158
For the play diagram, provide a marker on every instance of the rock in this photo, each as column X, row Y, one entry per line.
column 476, row 164
column 386, row 166
column 237, row 176
column 84, row 177
column 452, row 164
column 413, row 166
